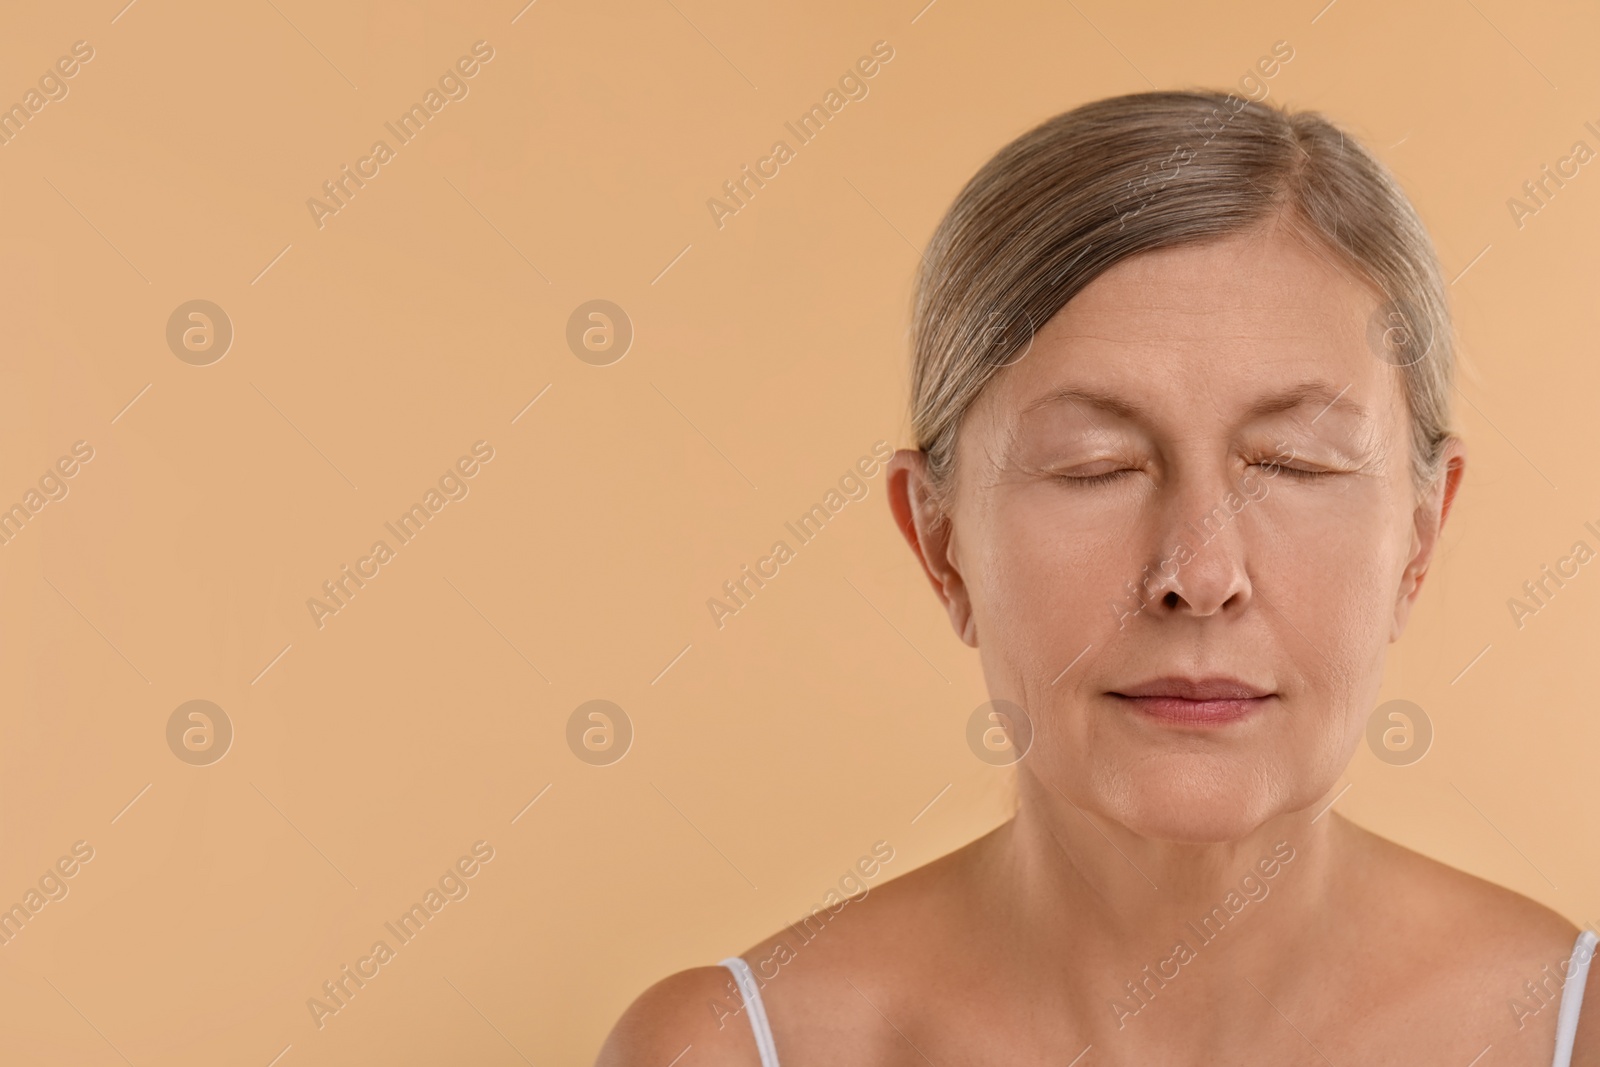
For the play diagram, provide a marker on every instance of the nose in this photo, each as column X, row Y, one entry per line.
column 1200, row 566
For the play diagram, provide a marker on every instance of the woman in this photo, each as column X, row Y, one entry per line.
column 1181, row 385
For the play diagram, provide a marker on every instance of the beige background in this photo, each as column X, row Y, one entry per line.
column 768, row 356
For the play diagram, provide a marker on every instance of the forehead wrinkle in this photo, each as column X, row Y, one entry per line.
column 1306, row 392
column 1253, row 338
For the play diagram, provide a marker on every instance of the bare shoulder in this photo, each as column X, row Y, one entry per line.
column 835, row 981
column 882, row 927
column 686, row 1010
column 823, row 980
column 1467, row 945
column 1433, row 897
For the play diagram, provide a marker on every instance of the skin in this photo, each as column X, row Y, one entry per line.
column 1015, row 948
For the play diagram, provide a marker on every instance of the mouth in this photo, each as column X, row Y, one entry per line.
column 1212, row 701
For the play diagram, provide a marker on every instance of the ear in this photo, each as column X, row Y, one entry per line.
column 1427, row 523
column 929, row 532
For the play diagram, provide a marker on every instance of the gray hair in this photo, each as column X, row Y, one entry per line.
column 1128, row 174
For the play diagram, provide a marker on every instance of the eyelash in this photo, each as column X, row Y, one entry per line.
column 1299, row 473
column 1098, row 479
column 1305, row 475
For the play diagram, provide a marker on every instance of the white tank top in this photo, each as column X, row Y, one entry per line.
column 1566, row 1022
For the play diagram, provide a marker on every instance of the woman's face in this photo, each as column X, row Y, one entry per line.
column 1199, row 470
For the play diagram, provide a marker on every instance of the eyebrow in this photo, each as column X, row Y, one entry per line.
column 1305, row 392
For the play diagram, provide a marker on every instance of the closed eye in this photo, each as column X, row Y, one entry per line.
column 1098, row 479
column 1303, row 475
column 1298, row 473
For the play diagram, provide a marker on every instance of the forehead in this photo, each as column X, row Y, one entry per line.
column 1219, row 326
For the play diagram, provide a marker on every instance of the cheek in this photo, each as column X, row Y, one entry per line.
column 1326, row 567
column 1330, row 564
column 1046, row 582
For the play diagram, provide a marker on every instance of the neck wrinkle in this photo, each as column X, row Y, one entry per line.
column 1082, row 888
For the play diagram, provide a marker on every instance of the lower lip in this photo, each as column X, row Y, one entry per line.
column 1180, row 712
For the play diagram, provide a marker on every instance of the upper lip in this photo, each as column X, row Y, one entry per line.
column 1216, row 687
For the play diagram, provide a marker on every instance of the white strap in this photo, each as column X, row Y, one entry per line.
column 758, row 1011
column 1572, row 997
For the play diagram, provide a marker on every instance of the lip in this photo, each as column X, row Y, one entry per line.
column 1210, row 701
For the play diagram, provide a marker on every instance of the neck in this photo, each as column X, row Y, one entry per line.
column 1138, row 916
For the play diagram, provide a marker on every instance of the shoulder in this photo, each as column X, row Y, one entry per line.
column 1437, row 899
column 843, row 982
column 698, row 1008
column 824, row 980
column 890, row 930
column 1453, row 939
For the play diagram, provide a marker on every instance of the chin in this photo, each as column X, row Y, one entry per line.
column 1190, row 799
